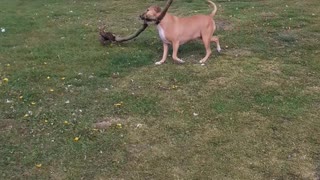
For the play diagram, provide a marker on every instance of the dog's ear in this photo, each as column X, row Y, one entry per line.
column 157, row 9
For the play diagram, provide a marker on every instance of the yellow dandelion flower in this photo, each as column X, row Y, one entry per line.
column 119, row 125
column 8, row 65
column 63, row 78
column 33, row 103
column 46, row 121
column 118, row 104
column 174, row 87
column 51, row 90
column 26, row 115
column 5, row 79
column 48, row 77
column 38, row 165
column 20, row 97
column 76, row 139
column 66, row 123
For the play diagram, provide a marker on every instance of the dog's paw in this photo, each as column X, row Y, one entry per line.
column 158, row 63
column 180, row 61
column 218, row 49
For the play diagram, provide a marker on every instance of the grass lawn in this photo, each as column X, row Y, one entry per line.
column 73, row 109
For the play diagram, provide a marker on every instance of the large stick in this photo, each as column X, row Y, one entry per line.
column 164, row 11
column 106, row 37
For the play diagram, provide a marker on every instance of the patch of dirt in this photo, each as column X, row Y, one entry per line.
column 268, row 15
column 106, row 123
column 318, row 171
column 9, row 125
column 223, row 25
column 271, row 84
column 137, row 150
column 272, row 67
column 6, row 125
column 208, row 133
column 220, row 81
column 311, row 90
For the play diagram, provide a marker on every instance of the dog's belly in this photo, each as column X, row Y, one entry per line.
column 162, row 35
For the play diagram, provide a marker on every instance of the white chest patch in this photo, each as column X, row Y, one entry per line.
column 162, row 35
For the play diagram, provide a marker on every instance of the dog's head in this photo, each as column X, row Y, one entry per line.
column 151, row 14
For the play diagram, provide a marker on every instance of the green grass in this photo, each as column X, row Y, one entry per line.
column 252, row 112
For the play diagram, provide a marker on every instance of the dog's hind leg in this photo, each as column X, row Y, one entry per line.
column 206, row 43
column 216, row 40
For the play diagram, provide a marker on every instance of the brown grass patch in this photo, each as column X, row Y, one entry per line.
column 6, row 125
column 223, row 25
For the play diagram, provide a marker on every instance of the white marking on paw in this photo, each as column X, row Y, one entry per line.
column 158, row 63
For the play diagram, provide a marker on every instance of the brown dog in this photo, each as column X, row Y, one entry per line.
column 177, row 31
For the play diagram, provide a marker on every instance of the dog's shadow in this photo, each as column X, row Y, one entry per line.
column 192, row 51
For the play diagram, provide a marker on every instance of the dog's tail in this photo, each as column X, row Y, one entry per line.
column 213, row 5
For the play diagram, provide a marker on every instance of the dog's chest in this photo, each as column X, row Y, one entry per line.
column 162, row 34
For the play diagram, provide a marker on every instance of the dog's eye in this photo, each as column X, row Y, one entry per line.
column 147, row 10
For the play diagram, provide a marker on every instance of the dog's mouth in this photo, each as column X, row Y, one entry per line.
column 147, row 19
column 142, row 17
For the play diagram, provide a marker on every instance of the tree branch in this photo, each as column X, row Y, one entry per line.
column 108, row 37
column 164, row 11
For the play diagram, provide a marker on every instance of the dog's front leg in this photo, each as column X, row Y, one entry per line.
column 175, row 47
column 165, row 54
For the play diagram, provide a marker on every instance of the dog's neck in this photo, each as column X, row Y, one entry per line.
column 164, row 19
